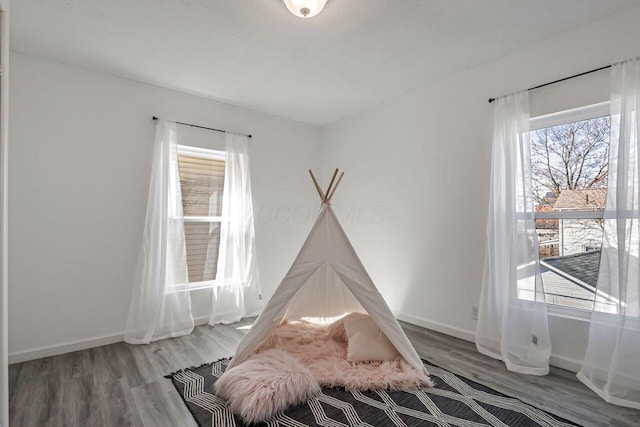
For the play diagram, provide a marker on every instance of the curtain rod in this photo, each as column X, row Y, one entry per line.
column 561, row 80
column 201, row 127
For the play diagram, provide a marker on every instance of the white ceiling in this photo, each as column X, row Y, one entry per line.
column 255, row 54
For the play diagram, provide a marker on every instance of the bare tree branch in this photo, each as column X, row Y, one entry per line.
column 573, row 156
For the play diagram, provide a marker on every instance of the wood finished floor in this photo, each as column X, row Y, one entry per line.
column 124, row 385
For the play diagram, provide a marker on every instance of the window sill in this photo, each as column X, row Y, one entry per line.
column 203, row 285
column 210, row 284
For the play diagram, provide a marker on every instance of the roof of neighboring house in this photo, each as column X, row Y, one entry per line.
column 583, row 266
column 592, row 199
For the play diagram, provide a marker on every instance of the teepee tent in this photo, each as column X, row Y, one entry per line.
column 326, row 281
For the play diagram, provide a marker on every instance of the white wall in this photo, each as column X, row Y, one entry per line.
column 79, row 175
column 424, row 161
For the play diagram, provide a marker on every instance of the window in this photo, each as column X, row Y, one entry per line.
column 202, row 184
column 569, row 168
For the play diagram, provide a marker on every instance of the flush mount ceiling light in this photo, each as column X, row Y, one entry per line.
column 305, row 8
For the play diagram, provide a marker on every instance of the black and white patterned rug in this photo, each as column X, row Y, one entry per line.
column 454, row 401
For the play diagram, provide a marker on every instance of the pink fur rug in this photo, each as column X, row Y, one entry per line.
column 323, row 350
column 266, row 384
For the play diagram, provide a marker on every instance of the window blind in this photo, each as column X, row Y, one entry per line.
column 202, row 184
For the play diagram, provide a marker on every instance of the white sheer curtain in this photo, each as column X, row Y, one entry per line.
column 611, row 366
column 157, row 311
column 512, row 323
column 237, row 293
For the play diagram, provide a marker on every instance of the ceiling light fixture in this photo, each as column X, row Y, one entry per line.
column 305, row 8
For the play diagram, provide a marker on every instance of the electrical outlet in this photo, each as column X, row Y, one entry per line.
column 474, row 312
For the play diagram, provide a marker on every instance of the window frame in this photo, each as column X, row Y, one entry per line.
column 587, row 112
column 211, row 154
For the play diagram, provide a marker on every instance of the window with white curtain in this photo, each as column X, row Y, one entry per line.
column 569, row 168
column 202, row 184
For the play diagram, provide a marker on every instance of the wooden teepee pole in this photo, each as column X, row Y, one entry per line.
column 320, row 193
column 326, row 194
column 335, row 187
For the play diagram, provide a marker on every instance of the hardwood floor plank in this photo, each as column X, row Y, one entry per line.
column 118, row 409
column 104, row 363
column 81, row 402
column 133, row 369
column 36, row 401
column 157, row 407
column 183, row 353
column 144, row 371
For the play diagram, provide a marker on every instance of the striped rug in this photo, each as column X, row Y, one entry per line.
column 454, row 401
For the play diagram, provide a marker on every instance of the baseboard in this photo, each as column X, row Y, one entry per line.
column 202, row 320
column 437, row 326
column 556, row 360
column 66, row 347
column 77, row 345
column 566, row 363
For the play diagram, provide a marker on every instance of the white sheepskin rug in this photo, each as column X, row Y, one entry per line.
column 265, row 385
column 323, row 351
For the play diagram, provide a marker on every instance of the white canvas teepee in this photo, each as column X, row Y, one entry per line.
column 327, row 280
